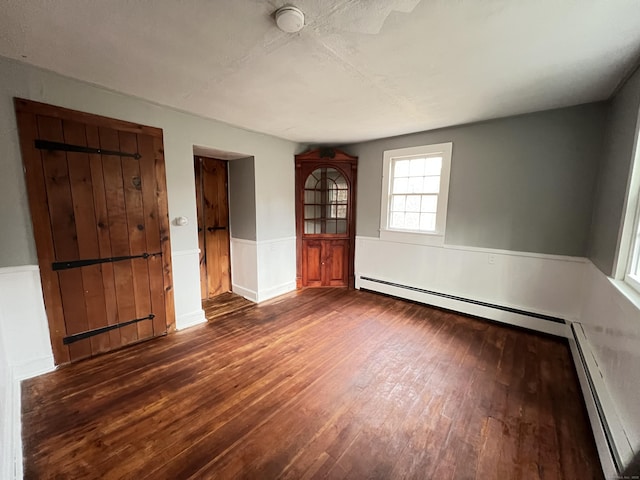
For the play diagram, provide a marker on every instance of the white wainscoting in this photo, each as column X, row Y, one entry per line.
column 186, row 288
column 544, row 285
column 27, row 350
column 609, row 336
column 605, row 422
column 276, row 267
column 244, row 268
column 24, row 322
column 264, row 269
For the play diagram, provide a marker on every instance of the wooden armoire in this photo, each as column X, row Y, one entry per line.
column 325, row 218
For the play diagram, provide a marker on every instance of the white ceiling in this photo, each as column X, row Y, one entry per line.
column 360, row 69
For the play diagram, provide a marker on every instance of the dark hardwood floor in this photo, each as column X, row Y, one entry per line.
column 225, row 304
column 325, row 383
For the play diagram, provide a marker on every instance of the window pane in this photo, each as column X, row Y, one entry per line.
column 415, row 184
column 312, row 196
column 428, row 222
column 412, row 221
column 311, row 212
column 401, row 168
column 341, row 226
column 331, row 226
column 416, row 167
column 342, row 211
column 413, row 203
column 398, row 203
column 312, row 226
column 401, row 185
column 313, row 180
column 433, row 165
column 342, row 196
column 429, row 203
column 397, row 220
column 431, row 185
column 635, row 263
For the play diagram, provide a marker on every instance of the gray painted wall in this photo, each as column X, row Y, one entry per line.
column 242, row 198
column 613, row 175
column 274, row 189
column 521, row 183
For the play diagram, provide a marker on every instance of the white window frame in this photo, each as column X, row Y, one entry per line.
column 413, row 236
column 629, row 247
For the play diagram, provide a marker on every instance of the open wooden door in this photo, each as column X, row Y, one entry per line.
column 98, row 201
column 213, row 226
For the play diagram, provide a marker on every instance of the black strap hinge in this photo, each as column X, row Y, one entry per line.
column 94, row 261
column 97, row 331
column 66, row 147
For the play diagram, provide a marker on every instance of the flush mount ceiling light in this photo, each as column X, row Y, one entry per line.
column 289, row 19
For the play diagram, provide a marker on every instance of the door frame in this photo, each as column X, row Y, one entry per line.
column 38, row 205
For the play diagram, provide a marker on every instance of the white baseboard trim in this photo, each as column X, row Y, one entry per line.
column 12, row 468
column 518, row 318
column 614, row 448
column 245, row 292
column 276, row 291
column 6, row 427
column 33, row 368
column 16, row 429
column 190, row 319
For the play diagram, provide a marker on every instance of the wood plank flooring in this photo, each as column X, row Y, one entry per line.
column 224, row 304
column 320, row 383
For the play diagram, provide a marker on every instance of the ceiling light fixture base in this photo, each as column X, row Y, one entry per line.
column 290, row 19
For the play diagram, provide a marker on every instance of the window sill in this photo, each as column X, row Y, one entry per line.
column 432, row 239
column 628, row 291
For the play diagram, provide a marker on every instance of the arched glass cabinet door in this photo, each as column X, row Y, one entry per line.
column 326, row 202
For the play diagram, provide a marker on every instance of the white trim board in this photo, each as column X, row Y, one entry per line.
column 466, row 306
column 16, row 429
column 12, row 468
column 185, row 253
column 190, row 319
column 275, row 240
column 245, row 292
column 276, row 291
column 497, row 251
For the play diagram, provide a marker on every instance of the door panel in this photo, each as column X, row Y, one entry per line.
column 60, row 203
column 82, row 192
column 213, row 226
column 90, row 204
column 336, row 262
column 102, row 234
column 312, row 255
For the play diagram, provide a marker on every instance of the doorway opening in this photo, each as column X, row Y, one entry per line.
column 224, row 209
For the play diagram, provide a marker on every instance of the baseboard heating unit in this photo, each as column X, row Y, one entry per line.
column 614, row 448
column 540, row 322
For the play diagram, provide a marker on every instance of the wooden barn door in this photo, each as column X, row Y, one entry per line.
column 99, row 210
column 213, row 226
